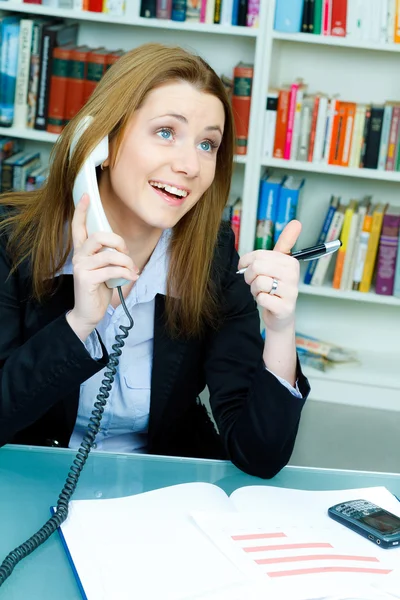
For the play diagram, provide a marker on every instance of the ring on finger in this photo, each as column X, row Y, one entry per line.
column 274, row 287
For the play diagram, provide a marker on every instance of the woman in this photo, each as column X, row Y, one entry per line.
column 163, row 189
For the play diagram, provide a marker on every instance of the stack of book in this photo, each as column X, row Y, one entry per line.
column 45, row 77
column 19, row 169
column 212, row 12
column 322, row 355
column 318, row 129
column 370, row 251
column 277, row 205
column 376, row 21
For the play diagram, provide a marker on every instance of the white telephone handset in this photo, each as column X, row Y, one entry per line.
column 86, row 182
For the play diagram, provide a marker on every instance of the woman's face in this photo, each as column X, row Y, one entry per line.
column 167, row 157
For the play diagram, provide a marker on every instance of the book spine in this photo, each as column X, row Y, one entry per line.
column 349, row 132
column 21, row 86
column 341, row 253
column 270, row 123
column 362, row 252
column 320, row 131
column 163, row 9
column 253, row 12
column 387, row 255
column 372, row 251
column 76, row 83
column 313, row 129
column 287, row 207
column 95, row 69
column 374, row 138
column 323, row 263
column 291, row 117
column 312, row 265
column 384, row 144
column 317, row 17
column 241, row 102
column 296, row 123
column 281, row 123
column 56, row 118
column 339, row 15
column 178, row 11
column 9, row 62
column 193, row 10
column 288, row 16
column 393, row 135
column 148, row 9
column 267, row 207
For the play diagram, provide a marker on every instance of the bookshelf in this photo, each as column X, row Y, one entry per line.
column 321, row 40
column 365, row 322
column 130, row 19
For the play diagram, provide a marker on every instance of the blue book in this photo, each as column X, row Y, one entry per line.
column 235, row 12
column 288, row 16
column 312, row 265
column 9, row 37
column 270, row 187
column 287, row 203
column 178, row 12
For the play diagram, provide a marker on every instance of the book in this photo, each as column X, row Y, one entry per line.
column 9, row 36
column 271, row 111
column 241, row 102
column 270, row 187
column 289, row 195
column 288, row 16
column 334, row 232
column 372, row 249
column 312, row 265
column 21, row 86
column 189, row 541
column 387, row 253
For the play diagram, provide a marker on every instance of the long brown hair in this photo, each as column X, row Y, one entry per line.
column 38, row 221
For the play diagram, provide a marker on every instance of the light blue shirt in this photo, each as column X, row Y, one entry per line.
column 125, row 419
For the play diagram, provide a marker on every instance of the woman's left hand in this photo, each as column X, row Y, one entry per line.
column 273, row 277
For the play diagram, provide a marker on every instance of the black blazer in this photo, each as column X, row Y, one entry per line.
column 43, row 363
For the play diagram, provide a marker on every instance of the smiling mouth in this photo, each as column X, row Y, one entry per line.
column 170, row 190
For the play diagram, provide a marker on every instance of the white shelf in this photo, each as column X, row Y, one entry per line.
column 37, row 9
column 373, row 382
column 295, row 165
column 329, row 292
column 338, row 42
column 29, row 134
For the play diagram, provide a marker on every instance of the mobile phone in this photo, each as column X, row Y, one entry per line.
column 369, row 520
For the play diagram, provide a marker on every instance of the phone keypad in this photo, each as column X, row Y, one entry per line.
column 357, row 508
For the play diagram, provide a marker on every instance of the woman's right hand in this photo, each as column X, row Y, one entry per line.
column 92, row 267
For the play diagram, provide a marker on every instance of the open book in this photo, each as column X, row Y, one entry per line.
column 193, row 541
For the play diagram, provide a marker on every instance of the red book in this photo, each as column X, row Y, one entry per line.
column 281, row 123
column 96, row 67
column 241, row 101
column 339, row 17
column 58, row 89
column 76, row 81
column 387, row 254
column 95, row 5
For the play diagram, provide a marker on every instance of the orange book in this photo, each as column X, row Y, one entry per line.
column 344, row 150
column 344, row 238
column 241, row 102
column 96, row 67
column 396, row 36
column 281, row 123
column 76, row 81
column 56, row 117
column 337, row 138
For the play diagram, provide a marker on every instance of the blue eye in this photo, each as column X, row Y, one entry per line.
column 206, row 146
column 165, row 133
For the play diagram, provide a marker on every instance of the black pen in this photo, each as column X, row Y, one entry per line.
column 311, row 253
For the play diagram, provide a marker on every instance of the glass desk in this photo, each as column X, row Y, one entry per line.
column 31, row 479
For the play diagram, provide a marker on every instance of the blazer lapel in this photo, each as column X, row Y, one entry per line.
column 167, row 357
